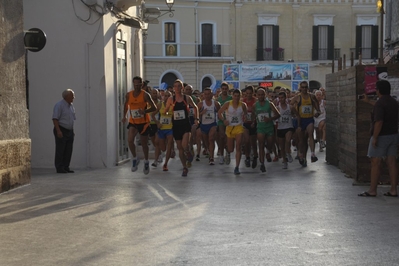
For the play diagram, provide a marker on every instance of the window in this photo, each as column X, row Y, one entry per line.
column 367, row 41
column 323, row 42
column 170, row 32
column 268, row 43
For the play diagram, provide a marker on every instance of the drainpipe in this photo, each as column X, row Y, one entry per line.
column 87, row 90
column 196, row 44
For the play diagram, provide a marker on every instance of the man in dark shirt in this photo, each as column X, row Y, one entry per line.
column 384, row 139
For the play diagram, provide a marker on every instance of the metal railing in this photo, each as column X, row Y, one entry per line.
column 323, row 54
column 365, row 52
column 170, row 50
column 214, row 50
column 268, row 54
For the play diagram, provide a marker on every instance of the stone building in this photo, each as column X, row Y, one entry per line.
column 204, row 35
column 15, row 144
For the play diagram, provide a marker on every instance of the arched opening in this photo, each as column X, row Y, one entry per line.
column 314, row 85
column 206, row 82
column 169, row 78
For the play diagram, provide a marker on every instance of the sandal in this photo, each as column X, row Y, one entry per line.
column 365, row 194
column 389, row 194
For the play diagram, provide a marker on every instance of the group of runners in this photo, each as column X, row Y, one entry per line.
column 256, row 123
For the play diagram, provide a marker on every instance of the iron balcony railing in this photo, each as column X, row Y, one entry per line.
column 154, row 49
column 325, row 54
column 268, row 54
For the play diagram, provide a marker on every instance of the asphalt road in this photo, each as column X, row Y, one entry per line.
column 299, row 216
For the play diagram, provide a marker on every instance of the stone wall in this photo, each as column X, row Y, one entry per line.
column 14, row 136
column 348, row 122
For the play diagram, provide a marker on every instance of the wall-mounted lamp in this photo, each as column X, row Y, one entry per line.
column 151, row 15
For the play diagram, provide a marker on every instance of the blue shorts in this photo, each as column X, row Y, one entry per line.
column 206, row 128
column 305, row 122
column 162, row 134
column 387, row 145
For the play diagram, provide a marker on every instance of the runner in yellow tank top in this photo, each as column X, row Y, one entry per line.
column 304, row 105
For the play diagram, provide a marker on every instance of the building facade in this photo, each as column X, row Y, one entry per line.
column 15, row 144
column 93, row 47
column 204, row 35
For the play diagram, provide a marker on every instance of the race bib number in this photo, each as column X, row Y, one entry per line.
column 262, row 116
column 209, row 116
column 249, row 116
column 191, row 113
column 179, row 115
column 306, row 109
column 165, row 121
column 234, row 120
column 135, row 114
column 284, row 120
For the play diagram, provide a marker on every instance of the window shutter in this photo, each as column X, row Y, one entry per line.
column 259, row 43
column 358, row 41
column 374, row 42
column 330, row 43
column 315, row 47
column 276, row 43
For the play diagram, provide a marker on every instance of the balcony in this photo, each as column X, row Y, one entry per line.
column 324, row 54
column 268, row 54
column 365, row 52
column 214, row 50
column 172, row 51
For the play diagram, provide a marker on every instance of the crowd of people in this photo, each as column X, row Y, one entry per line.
column 257, row 123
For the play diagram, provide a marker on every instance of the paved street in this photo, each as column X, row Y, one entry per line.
column 299, row 216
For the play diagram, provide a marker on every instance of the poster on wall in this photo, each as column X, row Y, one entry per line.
column 370, row 78
column 291, row 73
column 231, row 72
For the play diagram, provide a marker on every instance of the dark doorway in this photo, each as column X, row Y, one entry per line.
column 207, row 39
column 169, row 79
column 314, row 85
column 206, row 82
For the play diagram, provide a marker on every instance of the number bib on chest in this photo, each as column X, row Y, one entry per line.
column 209, row 116
column 285, row 120
column 135, row 114
column 249, row 116
column 306, row 109
column 179, row 115
column 262, row 116
column 165, row 120
column 191, row 113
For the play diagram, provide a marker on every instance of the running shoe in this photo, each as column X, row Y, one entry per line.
column 321, row 149
column 173, row 154
column 211, row 161
column 221, row 159
column 275, row 159
column 254, row 162
column 189, row 156
column 146, row 169
column 154, row 164
column 165, row 167
column 188, row 164
column 314, row 159
column 135, row 164
column 305, row 163
column 185, row 171
column 205, row 152
column 227, row 158
column 262, row 168
column 268, row 158
column 285, row 165
column 247, row 162
column 289, row 158
column 236, row 171
column 160, row 158
column 301, row 161
column 197, row 158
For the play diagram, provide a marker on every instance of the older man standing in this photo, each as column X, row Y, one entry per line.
column 63, row 120
column 384, row 139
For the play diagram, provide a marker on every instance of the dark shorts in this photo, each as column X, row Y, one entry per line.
column 180, row 129
column 153, row 130
column 143, row 129
column 282, row 132
column 164, row 133
column 305, row 122
column 252, row 130
column 206, row 128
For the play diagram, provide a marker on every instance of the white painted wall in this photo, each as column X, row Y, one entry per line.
column 81, row 57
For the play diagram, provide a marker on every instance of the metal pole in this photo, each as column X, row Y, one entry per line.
column 381, row 61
